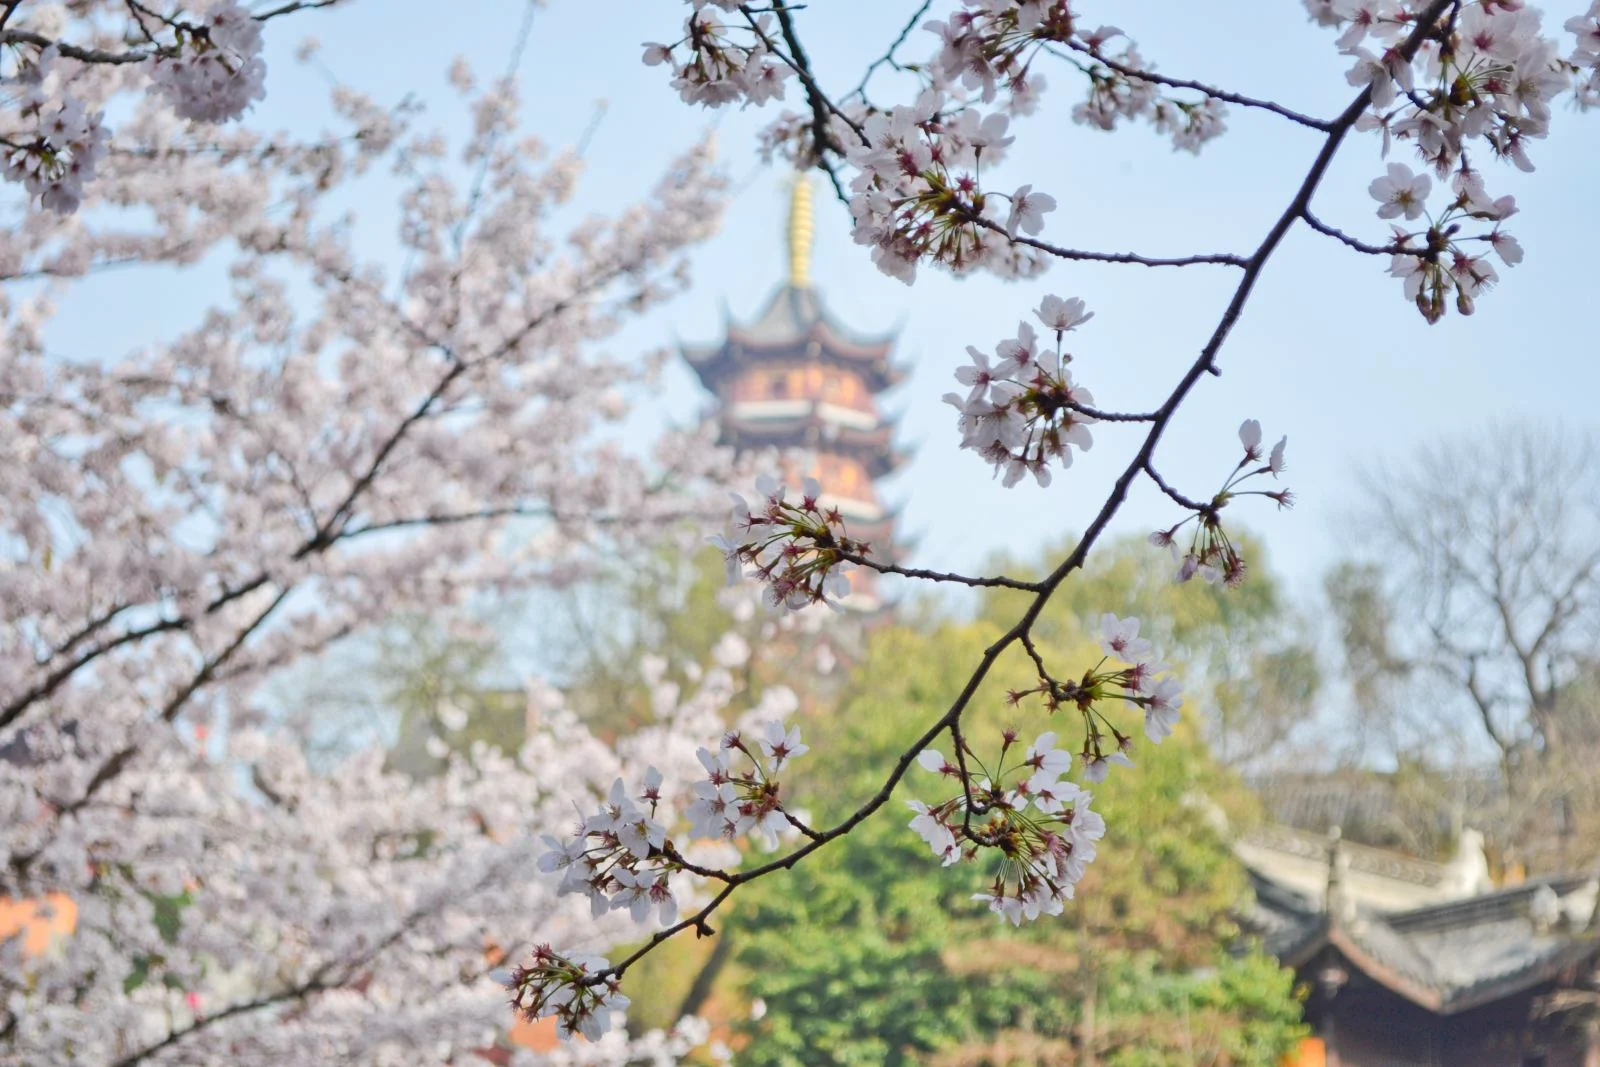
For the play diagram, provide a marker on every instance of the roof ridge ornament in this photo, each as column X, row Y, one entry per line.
column 801, row 229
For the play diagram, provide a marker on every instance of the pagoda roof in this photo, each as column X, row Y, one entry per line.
column 796, row 325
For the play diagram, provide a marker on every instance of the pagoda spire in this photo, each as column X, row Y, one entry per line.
column 801, row 227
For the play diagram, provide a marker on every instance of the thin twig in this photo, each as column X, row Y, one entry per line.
column 1339, row 235
column 1222, row 259
column 999, row 581
column 1200, row 87
column 1110, row 416
column 888, row 56
column 1183, row 501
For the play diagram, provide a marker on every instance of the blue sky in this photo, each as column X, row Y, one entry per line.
column 1327, row 351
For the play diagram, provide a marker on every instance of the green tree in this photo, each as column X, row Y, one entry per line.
column 1249, row 658
column 872, row 954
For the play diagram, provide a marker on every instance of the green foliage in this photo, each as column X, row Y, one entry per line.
column 870, row 953
column 1250, row 665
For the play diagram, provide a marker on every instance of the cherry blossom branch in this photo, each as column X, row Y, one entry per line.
column 1203, row 364
column 821, row 105
column 1110, row 416
column 72, row 51
column 1177, row 497
column 1200, row 87
column 973, row 806
column 888, row 56
column 805, row 830
column 1339, row 235
column 1032, row 650
column 1224, row 259
column 994, row 582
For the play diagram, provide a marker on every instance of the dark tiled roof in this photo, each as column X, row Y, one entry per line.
column 1445, row 957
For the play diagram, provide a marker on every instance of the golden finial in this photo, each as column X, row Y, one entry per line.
column 800, row 230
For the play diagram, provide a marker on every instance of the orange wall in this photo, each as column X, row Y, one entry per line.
column 1310, row 1053
column 39, row 922
column 806, row 381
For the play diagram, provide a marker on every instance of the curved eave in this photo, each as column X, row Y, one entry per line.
column 852, row 350
column 1439, row 1001
column 827, row 434
column 873, row 450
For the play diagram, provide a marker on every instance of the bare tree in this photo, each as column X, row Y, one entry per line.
column 1479, row 607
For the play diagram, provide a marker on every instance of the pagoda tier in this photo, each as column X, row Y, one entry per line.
column 872, row 446
column 795, row 329
column 797, row 379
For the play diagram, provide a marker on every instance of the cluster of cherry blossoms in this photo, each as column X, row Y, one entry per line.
column 799, row 551
column 1585, row 56
column 918, row 194
column 1023, row 411
column 63, row 143
column 995, row 45
column 1128, row 673
column 564, row 986
column 205, row 64
column 619, row 857
column 711, row 68
column 1436, row 261
column 1211, row 553
column 732, row 802
column 214, row 71
column 1484, row 74
column 1041, row 825
column 622, row 859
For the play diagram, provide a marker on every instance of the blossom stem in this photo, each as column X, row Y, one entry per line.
column 1339, row 235
column 1207, row 90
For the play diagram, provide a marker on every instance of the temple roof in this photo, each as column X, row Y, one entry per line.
column 1446, row 956
column 795, row 326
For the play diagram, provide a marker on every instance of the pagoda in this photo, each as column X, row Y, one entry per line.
column 798, row 380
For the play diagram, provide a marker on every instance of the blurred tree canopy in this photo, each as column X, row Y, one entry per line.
column 870, row 953
column 1249, row 660
column 1469, row 617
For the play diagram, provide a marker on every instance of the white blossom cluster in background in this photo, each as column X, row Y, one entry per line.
column 625, row 857
column 214, row 71
column 204, row 62
column 333, row 442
